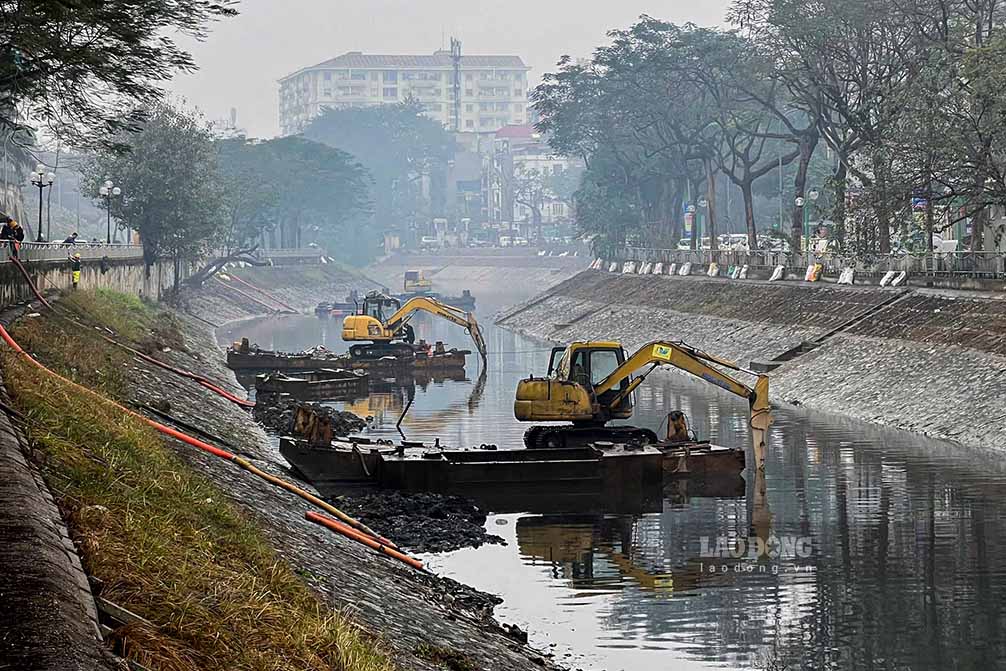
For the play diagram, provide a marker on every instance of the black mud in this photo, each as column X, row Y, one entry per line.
column 277, row 414
column 421, row 522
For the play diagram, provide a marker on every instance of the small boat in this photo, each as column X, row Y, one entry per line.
column 466, row 301
column 325, row 383
column 338, row 309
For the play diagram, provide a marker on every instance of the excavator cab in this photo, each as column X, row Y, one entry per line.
column 379, row 306
column 588, row 364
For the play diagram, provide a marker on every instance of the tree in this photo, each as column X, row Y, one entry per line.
column 405, row 152
column 74, row 66
column 171, row 193
column 530, row 189
column 290, row 184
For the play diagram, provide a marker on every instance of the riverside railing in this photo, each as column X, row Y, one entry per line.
column 57, row 251
column 984, row 265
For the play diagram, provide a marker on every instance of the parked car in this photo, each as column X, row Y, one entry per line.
column 520, row 242
column 429, row 242
column 505, row 241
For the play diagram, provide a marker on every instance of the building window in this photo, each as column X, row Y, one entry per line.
column 358, row 75
column 468, row 77
column 374, row 92
column 327, row 93
column 469, row 93
column 485, row 107
column 502, row 107
column 469, row 123
column 469, row 107
column 390, row 92
column 373, row 76
column 391, row 76
column 327, row 76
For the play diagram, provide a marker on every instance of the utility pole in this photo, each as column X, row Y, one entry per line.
column 456, row 62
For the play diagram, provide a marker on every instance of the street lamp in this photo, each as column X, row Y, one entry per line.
column 41, row 179
column 813, row 194
column 107, row 190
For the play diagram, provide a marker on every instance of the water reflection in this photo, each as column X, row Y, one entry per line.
column 907, row 569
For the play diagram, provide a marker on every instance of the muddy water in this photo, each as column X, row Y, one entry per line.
column 886, row 551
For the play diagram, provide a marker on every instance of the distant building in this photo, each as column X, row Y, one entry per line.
column 493, row 89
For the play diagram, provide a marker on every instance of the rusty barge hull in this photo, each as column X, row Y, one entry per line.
column 264, row 360
column 315, row 384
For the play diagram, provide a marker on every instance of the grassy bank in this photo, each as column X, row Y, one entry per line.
column 165, row 542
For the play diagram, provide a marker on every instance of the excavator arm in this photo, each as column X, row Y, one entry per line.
column 698, row 363
column 396, row 322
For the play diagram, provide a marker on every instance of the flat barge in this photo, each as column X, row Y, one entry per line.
column 603, row 476
column 326, row 383
column 241, row 357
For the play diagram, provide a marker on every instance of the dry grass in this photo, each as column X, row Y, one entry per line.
column 166, row 542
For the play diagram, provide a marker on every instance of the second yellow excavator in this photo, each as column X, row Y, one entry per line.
column 590, row 383
column 381, row 325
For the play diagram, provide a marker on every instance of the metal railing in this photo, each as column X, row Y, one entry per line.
column 57, row 251
column 985, row 265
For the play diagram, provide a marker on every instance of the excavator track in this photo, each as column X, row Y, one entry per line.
column 558, row 437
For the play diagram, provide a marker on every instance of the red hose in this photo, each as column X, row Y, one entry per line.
column 247, row 295
column 360, row 528
column 178, row 371
column 264, row 293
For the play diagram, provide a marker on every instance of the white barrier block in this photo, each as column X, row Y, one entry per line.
column 672, row 269
column 735, row 273
column 686, row 269
column 777, row 274
column 714, row 270
column 629, row 267
column 658, row 268
column 743, row 273
column 645, row 268
column 613, row 268
column 886, row 279
column 899, row 279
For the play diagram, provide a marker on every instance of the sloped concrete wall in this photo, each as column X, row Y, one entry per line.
column 932, row 361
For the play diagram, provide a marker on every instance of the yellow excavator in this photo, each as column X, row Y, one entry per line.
column 382, row 324
column 591, row 383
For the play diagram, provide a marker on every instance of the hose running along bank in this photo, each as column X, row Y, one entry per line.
column 199, row 379
column 360, row 528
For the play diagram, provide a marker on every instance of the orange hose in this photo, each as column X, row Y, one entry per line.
column 178, row 371
column 348, row 532
column 195, row 442
column 264, row 293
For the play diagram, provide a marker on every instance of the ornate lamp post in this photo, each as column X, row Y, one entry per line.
column 41, row 179
column 107, row 190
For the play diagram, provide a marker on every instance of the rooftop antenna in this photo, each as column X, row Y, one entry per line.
column 456, row 61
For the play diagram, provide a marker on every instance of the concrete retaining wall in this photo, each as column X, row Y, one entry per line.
column 926, row 360
column 127, row 276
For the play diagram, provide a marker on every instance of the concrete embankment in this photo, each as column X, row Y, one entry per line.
column 924, row 360
column 424, row 622
column 48, row 613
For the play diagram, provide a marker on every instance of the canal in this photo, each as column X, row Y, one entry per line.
column 884, row 550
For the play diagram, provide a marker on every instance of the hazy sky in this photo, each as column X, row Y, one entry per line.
column 243, row 57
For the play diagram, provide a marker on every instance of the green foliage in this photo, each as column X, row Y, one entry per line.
column 290, row 186
column 171, row 193
column 406, row 155
column 75, row 66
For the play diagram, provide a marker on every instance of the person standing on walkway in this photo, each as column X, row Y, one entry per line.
column 12, row 231
column 75, row 268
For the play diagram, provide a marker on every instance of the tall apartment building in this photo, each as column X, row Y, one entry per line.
column 493, row 89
